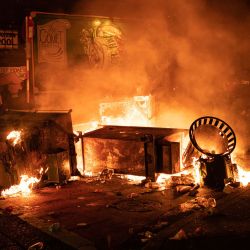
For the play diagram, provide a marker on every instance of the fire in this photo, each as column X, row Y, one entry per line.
column 133, row 179
column 15, row 136
column 163, row 178
column 196, row 171
column 88, row 174
column 23, row 188
column 135, row 111
column 243, row 176
column 85, row 127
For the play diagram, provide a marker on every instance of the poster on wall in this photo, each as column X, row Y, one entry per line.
column 51, row 41
column 62, row 42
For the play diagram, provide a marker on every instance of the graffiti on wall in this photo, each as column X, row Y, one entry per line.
column 102, row 44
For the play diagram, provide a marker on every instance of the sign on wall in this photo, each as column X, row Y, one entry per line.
column 52, row 41
column 13, row 77
column 8, row 39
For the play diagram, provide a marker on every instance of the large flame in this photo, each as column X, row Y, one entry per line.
column 163, row 178
column 196, row 171
column 14, row 136
column 243, row 176
column 136, row 111
column 23, row 188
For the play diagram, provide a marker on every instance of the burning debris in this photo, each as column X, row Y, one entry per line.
column 206, row 160
column 157, row 152
column 38, row 151
column 14, row 137
column 24, row 188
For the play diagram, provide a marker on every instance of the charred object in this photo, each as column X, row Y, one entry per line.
column 39, row 140
column 211, row 142
column 142, row 151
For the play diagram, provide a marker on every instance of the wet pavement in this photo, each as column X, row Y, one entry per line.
column 90, row 214
column 18, row 234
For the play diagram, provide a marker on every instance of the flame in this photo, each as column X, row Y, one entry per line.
column 136, row 111
column 163, row 178
column 88, row 174
column 14, row 135
column 85, row 127
column 243, row 176
column 133, row 179
column 196, row 171
column 23, row 188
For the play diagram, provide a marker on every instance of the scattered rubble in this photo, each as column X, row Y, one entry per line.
column 132, row 195
column 106, row 174
column 199, row 231
column 160, row 225
column 184, row 179
column 74, row 178
column 229, row 189
column 146, row 236
column 198, row 203
column 55, row 227
column 37, row 246
column 180, row 235
column 183, row 189
column 82, row 224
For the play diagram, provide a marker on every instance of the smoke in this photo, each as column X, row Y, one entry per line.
column 190, row 55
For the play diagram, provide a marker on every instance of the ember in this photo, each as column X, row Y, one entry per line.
column 14, row 136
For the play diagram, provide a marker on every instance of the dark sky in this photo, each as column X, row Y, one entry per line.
column 13, row 10
column 230, row 15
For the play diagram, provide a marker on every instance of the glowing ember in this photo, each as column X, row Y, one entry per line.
column 23, row 188
column 14, row 136
column 243, row 176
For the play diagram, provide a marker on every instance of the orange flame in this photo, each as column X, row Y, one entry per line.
column 136, row 111
column 23, row 188
column 243, row 176
column 196, row 171
column 163, row 178
column 14, row 135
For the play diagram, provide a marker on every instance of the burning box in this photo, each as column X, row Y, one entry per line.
column 36, row 143
column 133, row 150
